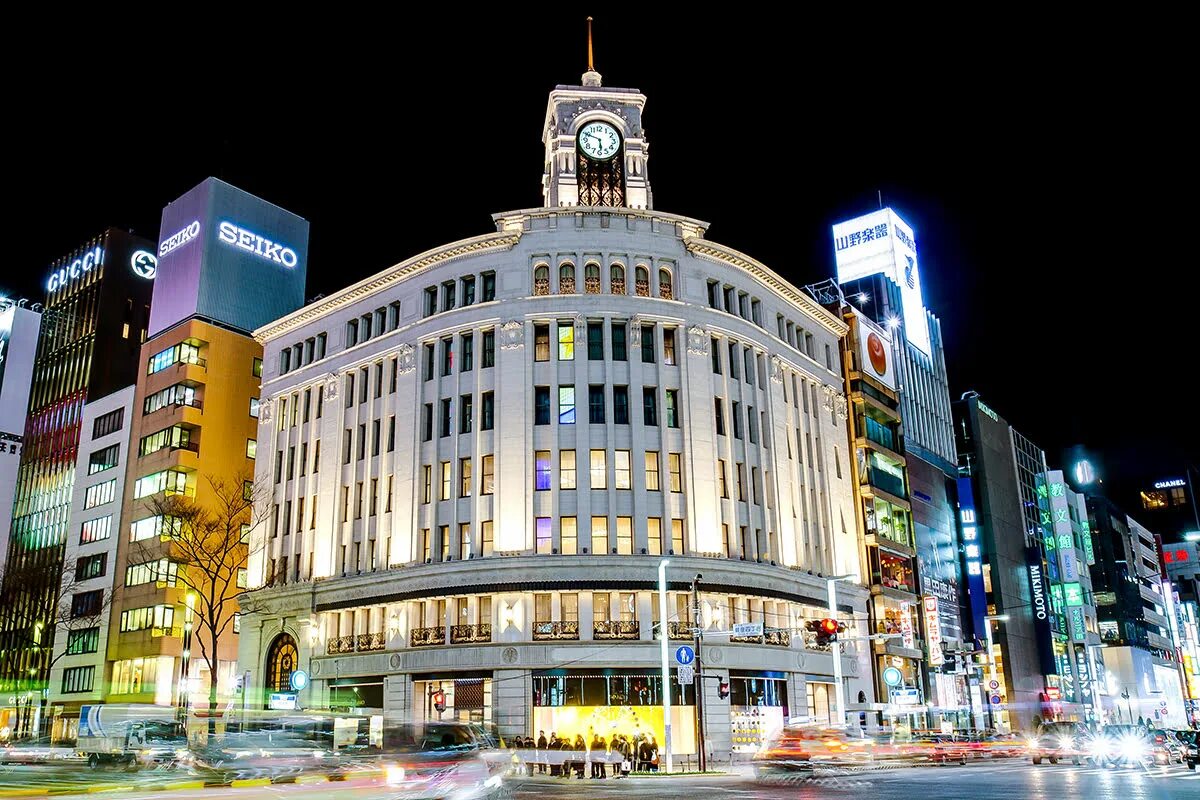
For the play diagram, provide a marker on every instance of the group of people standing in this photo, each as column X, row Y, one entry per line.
column 638, row 753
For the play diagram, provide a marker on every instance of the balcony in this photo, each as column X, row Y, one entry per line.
column 809, row 641
column 642, row 288
column 777, row 637
column 617, row 286
column 339, row 644
column 664, row 291
column 887, row 482
column 370, row 642
column 550, row 631
column 173, row 632
column 616, row 629
column 879, row 434
column 676, row 630
column 541, row 286
column 427, row 637
column 591, row 285
column 193, row 447
column 471, row 634
column 566, row 286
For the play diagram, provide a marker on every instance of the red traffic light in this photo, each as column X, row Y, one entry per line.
column 829, row 626
column 722, row 690
column 439, row 701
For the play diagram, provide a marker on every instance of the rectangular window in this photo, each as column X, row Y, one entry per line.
column 445, row 427
column 596, row 414
column 621, row 469
column 349, row 389
column 464, row 477
column 755, row 485
column 487, row 483
column 714, row 349
column 487, row 411
column 543, row 537
column 426, row 483
column 566, row 341
column 100, row 493
column 734, row 369
column 378, row 380
column 677, row 537
column 595, row 341
column 448, row 296
column 598, row 470
column 541, row 480
column 714, row 295
column 467, row 345
column 675, row 470
column 599, row 535
column 83, row 641
column 254, row 407
column 87, row 604
column 741, row 481
column 489, row 347
column 621, row 405
column 178, row 354
column 541, row 342
column 427, row 358
column 95, row 530
column 719, row 413
column 92, row 566
column 654, row 536
column 722, row 478
column 566, row 405
column 464, row 541
column 737, row 419
column 78, row 679
column 256, row 367
column 489, row 286
column 669, row 346
column 652, row 471
column 566, row 469
column 625, row 536
column 445, row 493
column 430, row 301
column 161, row 571
column 465, row 414
column 427, row 422
column 752, row 424
column 362, row 443
column 444, row 542
column 647, row 344
column 486, row 537
column 541, row 405
column 618, row 341
column 103, row 459
column 468, row 290
column 169, row 481
column 649, row 406
column 391, row 435
column 672, row 408
column 447, row 356
column 568, row 536
column 316, row 456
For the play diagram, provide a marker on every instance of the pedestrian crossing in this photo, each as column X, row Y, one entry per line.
column 1174, row 772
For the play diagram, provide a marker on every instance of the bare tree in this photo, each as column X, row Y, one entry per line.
column 209, row 543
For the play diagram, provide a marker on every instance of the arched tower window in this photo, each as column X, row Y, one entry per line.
column 664, row 284
column 617, row 279
column 591, row 278
column 541, row 279
column 641, row 281
column 282, row 661
column 566, row 278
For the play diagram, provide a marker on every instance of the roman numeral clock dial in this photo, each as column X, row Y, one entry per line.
column 599, row 141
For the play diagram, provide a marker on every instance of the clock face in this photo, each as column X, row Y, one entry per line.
column 599, row 141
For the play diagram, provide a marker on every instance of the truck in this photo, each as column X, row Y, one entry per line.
column 130, row 734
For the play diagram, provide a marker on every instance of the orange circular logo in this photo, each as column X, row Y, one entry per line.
column 876, row 353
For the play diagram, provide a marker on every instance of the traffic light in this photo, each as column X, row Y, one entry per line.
column 439, row 701
column 723, row 689
column 826, row 630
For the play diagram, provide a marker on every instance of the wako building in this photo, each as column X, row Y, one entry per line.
column 475, row 474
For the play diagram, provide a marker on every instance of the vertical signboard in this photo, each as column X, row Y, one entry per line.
column 972, row 554
column 1040, row 605
column 933, row 630
column 906, row 627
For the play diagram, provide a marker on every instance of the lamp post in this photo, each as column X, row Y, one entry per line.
column 698, row 629
column 666, row 667
column 987, row 622
column 839, row 691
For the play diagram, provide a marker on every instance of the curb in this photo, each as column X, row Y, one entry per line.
column 249, row 782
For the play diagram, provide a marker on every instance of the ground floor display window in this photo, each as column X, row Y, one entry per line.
column 356, row 693
column 466, row 699
column 758, row 708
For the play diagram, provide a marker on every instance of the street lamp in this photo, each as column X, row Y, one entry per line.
column 987, row 623
column 839, row 691
column 664, row 645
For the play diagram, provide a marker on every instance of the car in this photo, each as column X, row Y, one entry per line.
column 797, row 750
column 440, row 759
column 1129, row 746
column 1190, row 740
column 1057, row 741
column 1166, row 740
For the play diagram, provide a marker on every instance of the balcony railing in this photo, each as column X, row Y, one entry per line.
column 809, row 640
column 616, row 629
column 617, row 286
column 566, row 286
column 541, row 286
column 887, row 482
column 778, row 637
column 192, row 446
column 470, row 634
column 676, row 630
column 426, row 637
column 368, row 642
column 642, row 288
column 591, row 285
column 664, row 291
column 543, row 631
column 339, row 644
column 880, row 434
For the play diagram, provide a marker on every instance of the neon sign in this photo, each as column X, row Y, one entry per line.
column 1170, row 483
column 144, row 264
column 264, row 248
column 80, row 266
column 179, row 239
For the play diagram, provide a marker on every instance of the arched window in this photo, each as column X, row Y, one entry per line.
column 664, row 284
column 591, row 278
column 282, row 661
column 617, row 279
column 566, row 278
column 541, row 279
column 641, row 281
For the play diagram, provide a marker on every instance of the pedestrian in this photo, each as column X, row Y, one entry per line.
column 653, row 754
column 541, row 751
column 643, row 755
column 580, row 748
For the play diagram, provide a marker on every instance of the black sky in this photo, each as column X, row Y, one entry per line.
column 1045, row 167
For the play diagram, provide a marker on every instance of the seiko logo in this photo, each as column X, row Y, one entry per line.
column 263, row 248
column 1038, row 591
column 180, row 239
column 58, row 278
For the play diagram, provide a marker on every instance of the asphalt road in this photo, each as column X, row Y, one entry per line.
column 1007, row 779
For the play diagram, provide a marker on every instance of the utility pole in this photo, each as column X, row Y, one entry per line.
column 663, row 628
column 699, row 679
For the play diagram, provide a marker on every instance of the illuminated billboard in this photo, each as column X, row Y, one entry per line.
column 875, row 352
column 881, row 242
column 228, row 256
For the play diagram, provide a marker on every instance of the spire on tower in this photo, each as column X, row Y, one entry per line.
column 591, row 77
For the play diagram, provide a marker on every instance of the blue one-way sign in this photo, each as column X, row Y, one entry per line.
column 684, row 655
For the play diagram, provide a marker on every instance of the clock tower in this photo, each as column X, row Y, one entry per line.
column 596, row 149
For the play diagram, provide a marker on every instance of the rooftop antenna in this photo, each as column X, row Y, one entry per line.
column 591, row 77
column 879, row 192
column 591, row 66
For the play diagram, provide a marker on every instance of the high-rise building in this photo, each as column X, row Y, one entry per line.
column 228, row 263
column 500, row 439
column 1168, row 504
column 878, row 271
column 1181, row 564
column 18, row 347
column 94, row 320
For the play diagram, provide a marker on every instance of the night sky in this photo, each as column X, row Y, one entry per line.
column 1046, row 179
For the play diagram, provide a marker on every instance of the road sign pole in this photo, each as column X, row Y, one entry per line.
column 663, row 638
column 699, row 682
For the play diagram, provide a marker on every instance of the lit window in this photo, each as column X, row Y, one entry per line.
column 566, row 341
column 541, row 460
column 599, row 470
column 566, row 469
column 621, row 469
column 566, row 405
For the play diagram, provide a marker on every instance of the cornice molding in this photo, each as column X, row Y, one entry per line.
column 501, row 240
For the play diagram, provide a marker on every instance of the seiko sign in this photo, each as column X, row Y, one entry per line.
column 80, row 266
column 179, row 239
column 262, row 247
column 1037, row 590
